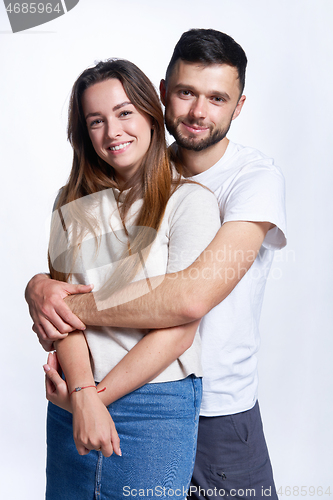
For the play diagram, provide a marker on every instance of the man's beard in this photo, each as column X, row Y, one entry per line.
column 192, row 143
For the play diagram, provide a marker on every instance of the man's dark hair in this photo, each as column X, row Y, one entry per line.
column 207, row 46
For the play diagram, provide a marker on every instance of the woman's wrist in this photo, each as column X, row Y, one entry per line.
column 80, row 398
column 104, row 393
column 80, row 388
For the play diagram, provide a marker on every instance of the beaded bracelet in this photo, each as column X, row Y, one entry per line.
column 77, row 389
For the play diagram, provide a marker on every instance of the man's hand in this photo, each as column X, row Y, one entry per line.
column 52, row 318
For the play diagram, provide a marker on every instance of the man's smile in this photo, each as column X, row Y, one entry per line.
column 194, row 129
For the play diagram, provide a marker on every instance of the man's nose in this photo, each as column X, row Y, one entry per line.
column 199, row 108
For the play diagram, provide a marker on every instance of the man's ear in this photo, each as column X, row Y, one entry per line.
column 162, row 91
column 239, row 106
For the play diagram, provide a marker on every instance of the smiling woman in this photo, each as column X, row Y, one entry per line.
column 122, row 187
column 119, row 133
column 128, row 87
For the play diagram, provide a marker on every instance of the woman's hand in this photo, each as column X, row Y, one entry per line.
column 56, row 387
column 93, row 427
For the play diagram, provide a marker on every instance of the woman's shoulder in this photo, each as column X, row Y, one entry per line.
column 189, row 190
column 192, row 201
column 55, row 203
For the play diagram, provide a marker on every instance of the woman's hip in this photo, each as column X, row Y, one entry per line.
column 178, row 399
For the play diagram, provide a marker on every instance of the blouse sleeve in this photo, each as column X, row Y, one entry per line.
column 193, row 223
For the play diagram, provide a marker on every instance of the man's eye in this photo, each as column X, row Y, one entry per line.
column 185, row 93
column 218, row 99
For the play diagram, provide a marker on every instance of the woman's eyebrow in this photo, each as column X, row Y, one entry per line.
column 126, row 103
column 118, row 106
column 92, row 114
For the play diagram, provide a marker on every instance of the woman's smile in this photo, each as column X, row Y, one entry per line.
column 119, row 147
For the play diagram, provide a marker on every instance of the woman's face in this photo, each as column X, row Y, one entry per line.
column 119, row 133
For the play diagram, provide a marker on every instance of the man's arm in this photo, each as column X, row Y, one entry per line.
column 187, row 295
column 181, row 298
column 52, row 319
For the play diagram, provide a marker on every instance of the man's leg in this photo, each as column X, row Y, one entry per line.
column 232, row 458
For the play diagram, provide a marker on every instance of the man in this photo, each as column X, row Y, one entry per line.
column 202, row 94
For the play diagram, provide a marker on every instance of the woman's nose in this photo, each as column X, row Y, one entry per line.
column 113, row 129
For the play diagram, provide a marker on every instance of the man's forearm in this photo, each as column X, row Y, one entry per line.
column 184, row 296
column 165, row 306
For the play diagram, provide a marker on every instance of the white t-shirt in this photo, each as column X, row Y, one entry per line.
column 249, row 187
column 190, row 222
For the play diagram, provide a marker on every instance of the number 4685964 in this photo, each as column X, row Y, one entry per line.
column 33, row 8
column 304, row 491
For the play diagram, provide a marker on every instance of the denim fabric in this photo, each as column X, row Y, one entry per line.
column 232, row 458
column 157, row 426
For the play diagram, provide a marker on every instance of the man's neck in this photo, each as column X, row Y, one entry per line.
column 196, row 162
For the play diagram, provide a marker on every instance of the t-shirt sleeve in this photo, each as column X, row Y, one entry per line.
column 258, row 195
column 193, row 223
column 56, row 199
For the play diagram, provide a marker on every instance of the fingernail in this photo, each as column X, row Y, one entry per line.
column 120, row 454
column 46, row 368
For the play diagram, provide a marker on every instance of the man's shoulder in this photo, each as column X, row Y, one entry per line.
column 245, row 155
column 248, row 161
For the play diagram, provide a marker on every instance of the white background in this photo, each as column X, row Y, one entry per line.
column 287, row 115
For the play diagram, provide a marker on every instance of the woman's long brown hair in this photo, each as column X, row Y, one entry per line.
column 154, row 182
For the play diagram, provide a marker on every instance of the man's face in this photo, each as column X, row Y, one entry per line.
column 200, row 103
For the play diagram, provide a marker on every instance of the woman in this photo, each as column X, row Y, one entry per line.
column 123, row 204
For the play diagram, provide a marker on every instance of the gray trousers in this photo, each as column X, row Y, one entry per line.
column 232, row 458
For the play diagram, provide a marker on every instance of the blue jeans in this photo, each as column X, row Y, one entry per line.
column 157, row 425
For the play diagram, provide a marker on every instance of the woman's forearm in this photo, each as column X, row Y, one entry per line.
column 146, row 360
column 74, row 359
column 93, row 427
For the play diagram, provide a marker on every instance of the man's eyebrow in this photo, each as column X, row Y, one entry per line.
column 118, row 106
column 215, row 93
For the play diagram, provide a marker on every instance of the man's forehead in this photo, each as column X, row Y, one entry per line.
column 197, row 73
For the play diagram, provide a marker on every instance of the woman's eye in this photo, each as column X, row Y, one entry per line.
column 96, row 122
column 125, row 113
